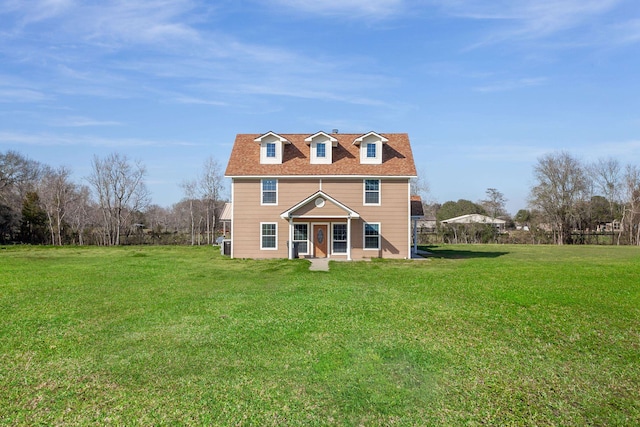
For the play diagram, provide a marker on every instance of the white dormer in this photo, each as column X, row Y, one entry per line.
column 321, row 145
column 271, row 148
column 371, row 148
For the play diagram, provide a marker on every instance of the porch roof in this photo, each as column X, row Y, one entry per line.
column 314, row 207
column 226, row 212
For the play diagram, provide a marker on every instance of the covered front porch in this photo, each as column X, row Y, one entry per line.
column 320, row 227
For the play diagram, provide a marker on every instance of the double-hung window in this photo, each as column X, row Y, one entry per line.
column 269, row 192
column 372, row 236
column 301, row 237
column 321, row 150
column 268, row 235
column 339, row 238
column 371, row 191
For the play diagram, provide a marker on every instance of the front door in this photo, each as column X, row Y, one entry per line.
column 320, row 241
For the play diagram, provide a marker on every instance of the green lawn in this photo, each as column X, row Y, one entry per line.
column 497, row 335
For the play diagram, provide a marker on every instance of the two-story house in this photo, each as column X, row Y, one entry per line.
column 342, row 196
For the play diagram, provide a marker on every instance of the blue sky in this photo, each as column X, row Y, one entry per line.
column 483, row 88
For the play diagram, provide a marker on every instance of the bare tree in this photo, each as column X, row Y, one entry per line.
column 79, row 211
column 607, row 176
column 56, row 193
column 494, row 204
column 561, row 185
column 120, row 189
column 189, row 188
column 419, row 186
column 631, row 212
column 211, row 186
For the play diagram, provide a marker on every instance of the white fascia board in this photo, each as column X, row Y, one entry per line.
column 322, row 176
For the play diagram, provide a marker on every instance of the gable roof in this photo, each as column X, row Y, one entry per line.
column 273, row 134
column 361, row 138
column 397, row 158
column 345, row 211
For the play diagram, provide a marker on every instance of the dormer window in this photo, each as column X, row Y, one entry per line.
column 371, row 148
column 320, row 146
column 321, row 150
column 271, row 148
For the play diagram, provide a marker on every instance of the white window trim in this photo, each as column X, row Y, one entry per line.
column 308, row 239
column 364, row 192
column 262, row 192
column 364, row 236
column 346, row 250
column 276, row 236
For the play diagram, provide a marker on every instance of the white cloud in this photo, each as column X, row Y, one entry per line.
column 69, row 140
column 21, row 95
column 627, row 32
column 353, row 8
column 512, row 84
column 79, row 121
column 528, row 19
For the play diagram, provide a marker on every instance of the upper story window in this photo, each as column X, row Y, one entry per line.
column 320, row 148
column 269, row 192
column 271, row 148
column 371, row 191
column 371, row 148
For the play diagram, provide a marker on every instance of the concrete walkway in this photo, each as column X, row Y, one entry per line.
column 319, row 264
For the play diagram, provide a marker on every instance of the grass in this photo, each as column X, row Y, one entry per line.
column 498, row 335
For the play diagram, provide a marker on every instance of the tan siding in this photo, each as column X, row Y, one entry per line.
column 393, row 214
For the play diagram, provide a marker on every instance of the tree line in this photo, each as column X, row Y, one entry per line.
column 40, row 204
column 570, row 202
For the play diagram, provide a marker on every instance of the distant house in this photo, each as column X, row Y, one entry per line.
column 476, row 219
column 339, row 196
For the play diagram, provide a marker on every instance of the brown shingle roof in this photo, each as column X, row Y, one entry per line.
column 416, row 206
column 397, row 158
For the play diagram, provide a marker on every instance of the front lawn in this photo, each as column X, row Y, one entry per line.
column 498, row 335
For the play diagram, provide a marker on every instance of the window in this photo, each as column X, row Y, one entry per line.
column 371, row 150
column 371, row 236
column 321, row 150
column 340, row 238
column 300, row 236
column 269, row 192
column 271, row 149
column 268, row 236
column 371, row 191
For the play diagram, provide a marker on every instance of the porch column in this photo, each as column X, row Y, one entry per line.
column 348, row 237
column 290, row 245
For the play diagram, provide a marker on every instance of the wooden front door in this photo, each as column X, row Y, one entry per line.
column 320, row 238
